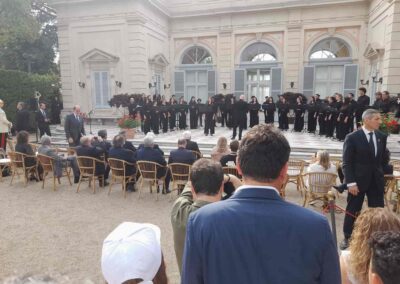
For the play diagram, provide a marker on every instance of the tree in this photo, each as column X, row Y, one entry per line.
column 34, row 49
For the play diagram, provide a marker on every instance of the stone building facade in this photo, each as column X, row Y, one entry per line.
column 203, row 47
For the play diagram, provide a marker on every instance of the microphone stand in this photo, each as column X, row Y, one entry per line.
column 90, row 122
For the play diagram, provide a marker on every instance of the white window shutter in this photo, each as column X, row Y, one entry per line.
column 212, row 83
column 308, row 81
column 179, row 83
column 239, row 82
column 276, row 82
column 350, row 82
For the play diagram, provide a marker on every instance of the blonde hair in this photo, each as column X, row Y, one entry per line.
column 370, row 220
column 222, row 145
column 323, row 159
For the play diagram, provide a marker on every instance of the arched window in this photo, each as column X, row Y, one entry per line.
column 330, row 48
column 258, row 52
column 197, row 55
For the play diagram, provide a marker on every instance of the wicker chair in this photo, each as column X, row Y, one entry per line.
column 148, row 172
column 4, row 163
column 231, row 171
column 118, row 172
column 48, row 165
column 87, row 167
column 319, row 183
column 11, row 145
column 179, row 175
column 18, row 163
column 392, row 187
column 294, row 175
column 197, row 154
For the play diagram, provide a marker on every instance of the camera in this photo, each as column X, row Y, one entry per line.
column 37, row 95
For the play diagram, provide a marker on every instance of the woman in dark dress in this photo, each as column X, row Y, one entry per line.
column 343, row 121
column 182, row 113
column 283, row 111
column 299, row 112
column 312, row 115
column 164, row 115
column 269, row 110
column 254, row 107
column 331, row 116
column 146, row 115
column 193, row 113
column 172, row 113
column 155, row 117
column 339, row 103
column 22, row 146
column 210, row 115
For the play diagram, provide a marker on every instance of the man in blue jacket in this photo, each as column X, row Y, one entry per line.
column 181, row 155
column 256, row 236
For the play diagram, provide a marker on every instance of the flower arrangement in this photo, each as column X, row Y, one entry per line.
column 128, row 122
column 389, row 124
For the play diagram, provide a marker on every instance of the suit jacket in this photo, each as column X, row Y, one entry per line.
column 362, row 104
column 94, row 152
column 126, row 155
column 41, row 119
column 181, row 155
column 191, row 145
column 155, row 146
column 152, row 155
column 257, row 237
column 240, row 114
column 129, row 146
column 22, row 120
column 231, row 157
column 359, row 163
column 74, row 128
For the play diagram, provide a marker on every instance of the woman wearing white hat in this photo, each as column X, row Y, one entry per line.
column 132, row 255
column 5, row 126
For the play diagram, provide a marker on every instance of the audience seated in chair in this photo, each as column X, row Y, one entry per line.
column 60, row 162
column 190, row 145
column 231, row 157
column 206, row 186
column 86, row 149
column 385, row 259
column 354, row 262
column 220, row 150
column 150, row 154
column 118, row 152
column 181, row 155
column 128, row 145
column 155, row 146
column 132, row 254
column 101, row 142
column 322, row 164
column 24, row 147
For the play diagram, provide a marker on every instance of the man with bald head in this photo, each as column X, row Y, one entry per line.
column 74, row 127
column 239, row 116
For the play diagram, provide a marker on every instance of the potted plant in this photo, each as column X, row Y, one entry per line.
column 389, row 124
column 129, row 124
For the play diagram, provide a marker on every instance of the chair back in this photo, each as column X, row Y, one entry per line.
column 46, row 162
column 396, row 167
column 117, row 167
column 180, row 172
column 148, row 170
column 71, row 151
column 16, row 159
column 2, row 154
column 10, row 144
column 231, row 171
column 197, row 155
column 34, row 147
column 87, row 165
column 295, row 167
column 321, row 182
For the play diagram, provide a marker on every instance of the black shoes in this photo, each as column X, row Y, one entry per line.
column 76, row 179
column 103, row 183
column 341, row 187
column 344, row 244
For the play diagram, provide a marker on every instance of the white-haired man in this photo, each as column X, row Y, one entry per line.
column 190, row 145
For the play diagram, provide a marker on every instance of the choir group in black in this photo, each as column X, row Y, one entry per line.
column 334, row 115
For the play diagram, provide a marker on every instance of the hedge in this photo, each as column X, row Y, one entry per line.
column 18, row 86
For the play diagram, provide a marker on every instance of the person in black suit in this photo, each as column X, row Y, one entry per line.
column 254, row 119
column 43, row 120
column 239, row 117
column 101, row 142
column 231, row 157
column 362, row 104
column 148, row 153
column 21, row 118
column 193, row 113
column 190, row 145
column 181, row 155
column 352, row 111
column 86, row 149
column 74, row 127
column 363, row 162
column 118, row 152
column 210, row 117
column 127, row 145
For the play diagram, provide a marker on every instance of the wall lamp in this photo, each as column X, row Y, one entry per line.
column 81, row 84
column 364, row 84
column 118, row 84
column 224, row 86
column 152, row 85
column 167, row 86
column 377, row 81
column 291, row 85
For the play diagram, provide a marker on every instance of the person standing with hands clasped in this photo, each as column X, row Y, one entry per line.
column 363, row 162
column 74, row 128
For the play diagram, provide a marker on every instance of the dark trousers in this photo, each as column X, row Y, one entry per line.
column 44, row 129
column 193, row 120
column 3, row 141
column 283, row 122
column 240, row 131
column 224, row 119
column 209, row 124
column 201, row 119
column 354, row 205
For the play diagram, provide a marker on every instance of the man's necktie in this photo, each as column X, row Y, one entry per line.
column 371, row 143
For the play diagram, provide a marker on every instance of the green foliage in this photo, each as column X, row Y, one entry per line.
column 16, row 86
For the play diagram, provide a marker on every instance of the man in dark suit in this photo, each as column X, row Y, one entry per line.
column 256, row 236
column 86, row 149
column 363, row 152
column 43, row 120
column 181, row 155
column 239, row 117
column 73, row 126
column 127, row 145
column 118, row 152
column 362, row 104
column 148, row 153
column 231, row 157
column 190, row 145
